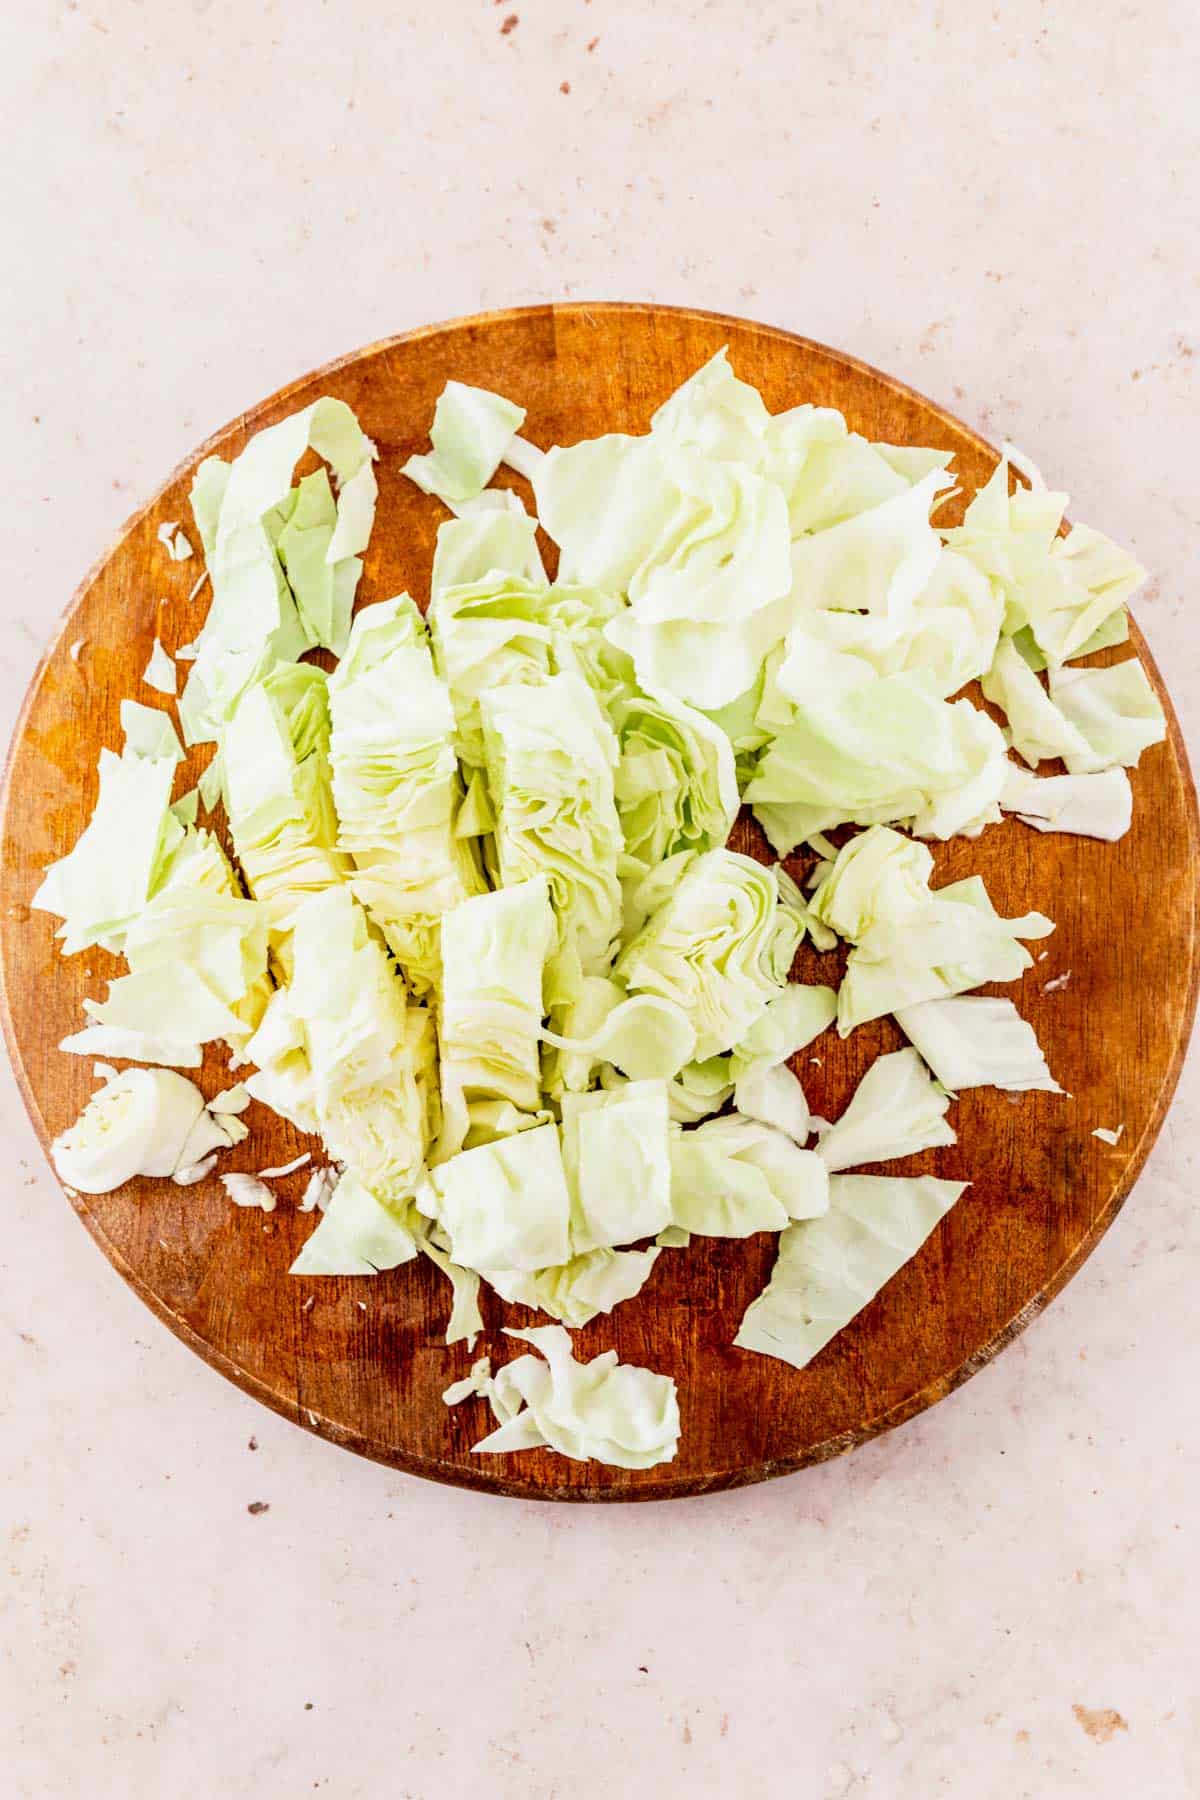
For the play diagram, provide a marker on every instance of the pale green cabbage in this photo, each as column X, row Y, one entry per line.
column 732, row 1176
column 396, row 785
column 830, row 1267
column 897, row 1110
column 1098, row 805
column 258, row 617
column 505, row 1205
column 1114, row 710
column 972, row 1040
column 279, row 795
column 340, row 1052
column 580, row 1290
column 615, row 1153
column 675, row 784
column 911, row 943
column 719, row 948
column 471, row 430
column 358, row 1234
column 138, row 1123
column 602, row 1410
column 494, row 949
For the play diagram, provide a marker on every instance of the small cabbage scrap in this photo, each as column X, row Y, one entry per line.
column 897, row 1110
column 601, row 1411
column 618, row 1167
column 122, row 855
column 279, row 795
column 494, row 949
column 259, row 615
column 719, row 948
column 789, row 1023
column 732, row 1176
column 829, row 1268
column 773, row 1095
column 550, row 756
column 358, row 1233
column 910, row 943
column 972, row 1040
column 1039, row 730
column 396, row 786
column 160, row 671
column 876, row 753
column 339, row 1052
column 471, row 431
column 138, row 1123
column 505, row 1205
column 578, row 1291
column 676, row 788
column 1098, row 805
column 1114, row 710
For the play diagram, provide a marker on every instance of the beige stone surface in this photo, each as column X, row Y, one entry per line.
column 998, row 204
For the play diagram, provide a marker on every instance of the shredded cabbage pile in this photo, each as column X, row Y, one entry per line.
column 483, row 930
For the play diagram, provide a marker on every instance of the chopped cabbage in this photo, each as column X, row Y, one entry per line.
column 1115, row 711
column 617, row 1163
column 259, row 617
column 897, row 1110
column 357, row 1234
column 396, row 786
column 600, row 1411
column 975, row 1041
column 1098, row 805
column 829, row 1268
column 160, row 671
column 505, row 1205
column 773, row 1094
column 471, row 431
column 731, row 1177
column 719, row 947
column 580, row 1290
column 676, row 788
column 138, row 1123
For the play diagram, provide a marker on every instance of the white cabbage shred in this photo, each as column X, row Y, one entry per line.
column 487, row 937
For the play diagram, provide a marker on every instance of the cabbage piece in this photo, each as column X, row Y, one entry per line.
column 550, row 756
column 829, row 1268
column 257, row 619
column 792, row 901
column 1066, row 592
column 1038, row 728
column 710, row 665
column 975, row 1041
column 719, row 948
column 340, row 1052
column 150, row 733
column 279, row 795
column 198, row 969
column 877, row 753
column 505, row 1205
column 912, row 944
column 716, row 415
column 159, row 672
column 1114, row 710
column 494, row 949
column 648, row 1038
column 600, row 1411
column 580, row 1290
column 357, row 1234
column 486, row 546
column 618, row 1168
column 247, row 1190
column 699, row 1090
column 137, row 1046
column 471, row 430
column 897, row 1110
column 1099, row 805
column 876, row 561
column 138, row 1123
column 120, row 857
column 465, row 1321
column 396, row 786
column 732, row 1176
column 829, row 474
column 675, row 784
column 788, row 1024
column 773, row 1095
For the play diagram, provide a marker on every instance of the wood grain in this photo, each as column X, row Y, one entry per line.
column 362, row 1362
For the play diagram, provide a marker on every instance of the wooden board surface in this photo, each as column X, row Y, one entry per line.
column 362, row 1362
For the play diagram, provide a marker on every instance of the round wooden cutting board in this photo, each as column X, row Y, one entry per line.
column 363, row 1362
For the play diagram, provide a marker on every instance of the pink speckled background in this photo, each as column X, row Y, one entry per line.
column 994, row 203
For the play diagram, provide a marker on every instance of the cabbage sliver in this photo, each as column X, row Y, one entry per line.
column 897, row 1110
column 733, row 1176
column 396, row 785
column 611, row 1412
column 340, row 1051
column 580, row 1290
column 279, row 795
column 830, row 1267
column 971, row 1040
column 252, row 522
column 618, row 1166
column 358, row 1234
column 493, row 952
column 719, row 948
column 471, row 430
